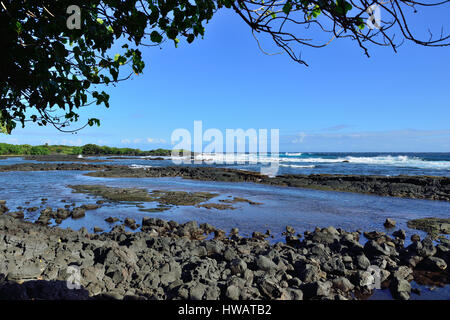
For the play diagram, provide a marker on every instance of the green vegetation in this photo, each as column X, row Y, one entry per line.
column 59, row 56
column 93, row 149
column 3, row 128
column 24, row 149
column 88, row 149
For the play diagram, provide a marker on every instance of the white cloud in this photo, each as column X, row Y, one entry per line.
column 77, row 142
column 300, row 138
column 338, row 127
column 7, row 139
column 155, row 140
column 406, row 140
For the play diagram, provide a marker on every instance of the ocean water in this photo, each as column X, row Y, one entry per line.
column 304, row 209
column 388, row 164
column 280, row 206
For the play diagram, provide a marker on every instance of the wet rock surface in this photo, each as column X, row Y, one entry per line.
column 60, row 157
column 163, row 197
column 169, row 260
column 54, row 166
column 431, row 225
column 420, row 187
column 416, row 187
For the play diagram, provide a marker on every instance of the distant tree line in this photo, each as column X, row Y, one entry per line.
column 88, row 149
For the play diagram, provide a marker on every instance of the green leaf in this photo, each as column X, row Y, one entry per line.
column 342, row 7
column 287, row 7
column 316, row 12
column 19, row 27
column 172, row 33
column 155, row 37
column 190, row 38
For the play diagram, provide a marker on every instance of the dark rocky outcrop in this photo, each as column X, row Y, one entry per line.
column 416, row 187
column 433, row 226
column 170, row 260
column 419, row 187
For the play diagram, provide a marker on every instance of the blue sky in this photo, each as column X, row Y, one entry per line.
column 343, row 101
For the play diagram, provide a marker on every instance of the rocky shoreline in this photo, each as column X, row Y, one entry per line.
column 55, row 167
column 168, row 260
column 60, row 158
column 415, row 187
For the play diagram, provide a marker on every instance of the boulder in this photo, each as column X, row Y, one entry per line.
column 309, row 273
column 266, row 264
column 400, row 288
column 403, row 272
column 433, row 264
column 389, row 223
column 238, row 266
column 62, row 213
column 27, row 271
column 90, row 206
column 111, row 219
column 317, row 289
column 269, row 287
column 427, row 249
column 373, row 248
column 343, row 284
column 325, row 237
column 233, row 292
column 78, row 213
column 290, row 230
column 3, row 208
column 362, row 262
column 16, row 214
column 197, row 291
column 401, row 234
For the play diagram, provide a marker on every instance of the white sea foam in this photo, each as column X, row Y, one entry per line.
column 139, row 166
column 164, row 157
column 295, row 154
column 235, row 158
column 298, row 166
column 401, row 160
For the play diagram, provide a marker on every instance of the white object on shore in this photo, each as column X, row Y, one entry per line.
column 79, row 156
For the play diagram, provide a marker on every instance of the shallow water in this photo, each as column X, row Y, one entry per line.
column 301, row 208
column 387, row 164
column 426, row 293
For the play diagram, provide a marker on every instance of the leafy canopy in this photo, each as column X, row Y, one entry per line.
column 48, row 67
column 49, row 72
